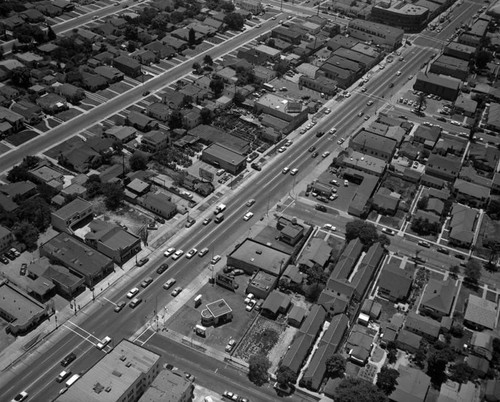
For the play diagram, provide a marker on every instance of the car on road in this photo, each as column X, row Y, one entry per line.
column 294, row 171
column 320, row 134
column 169, row 252
column 340, row 141
column 119, row 306
column 203, row 252
column 288, row 143
column 363, row 89
column 441, row 118
column 215, row 259
column 146, row 282
column 132, row 292
column 281, row 150
column 230, row 345
column 366, row 117
column 314, row 155
column 333, row 130
column 320, row 208
column 168, row 284
column 68, row 360
column 388, row 231
column 312, row 149
column 423, row 243
column 142, row 262
column 398, row 73
column 146, row 93
column 346, row 183
column 189, row 376
column 248, row 216
column 285, row 170
column 391, row 85
column 325, row 154
column 191, row 253
column 443, row 250
column 251, row 304
column 178, row 254
column 206, row 221
column 176, row 291
column 161, row 269
column 20, row 397
column 329, row 226
column 250, row 202
column 369, row 103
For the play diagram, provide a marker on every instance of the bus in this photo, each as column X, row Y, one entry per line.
column 268, row 87
column 72, row 380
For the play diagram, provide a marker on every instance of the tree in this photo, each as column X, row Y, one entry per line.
column 18, row 173
column 196, row 66
column 36, row 211
column 335, row 366
column 234, row 21
column 114, row 194
column 93, row 186
column 421, row 101
column 472, row 271
column 175, row 120
column 387, row 380
column 357, row 390
column 207, row 60
column 437, row 361
column 368, row 234
column 461, row 373
column 26, row 233
column 227, row 6
column 392, row 356
column 258, row 365
column 352, row 229
column 285, row 376
column 423, row 202
column 217, row 86
column 454, row 270
column 138, row 161
column 281, row 67
column 483, row 58
column 384, row 240
column 20, row 76
column 206, row 116
column 51, row 35
column 191, row 37
column 239, row 98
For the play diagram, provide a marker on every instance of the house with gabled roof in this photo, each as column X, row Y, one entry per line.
column 93, row 82
column 480, row 313
column 111, row 74
column 462, row 224
column 161, row 50
column 317, row 252
column 423, row 326
column 438, row 297
column 395, row 283
column 31, row 112
column 444, row 167
column 141, row 121
column 471, row 194
column 80, row 159
column 158, row 203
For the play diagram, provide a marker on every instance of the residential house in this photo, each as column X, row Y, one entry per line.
column 479, row 365
column 158, row 203
column 296, row 314
column 412, row 385
column 141, row 121
column 471, row 194
column 481, row 344
column 31, row 113
column 52, row 103
column 438, row 297
column 456, row 392
column 359, row 344
column 444, row 167
column 423, row 326
column 175, row 43
column 427, row 136
column 492, row 392
column 128, row 66
column 161, row 50
column 110, row 74
column 317, row 253
column 462, row 225
column 113, row 241
column 121, row 134
column 78, row 258
column 480, row 313
column 159, row 111
column 80, row 159
column 6, row 239
column 395, row 283
column 13, row 119
column 276, row 303
column 71, row 214
column 93, row 82
column 145, row 57
column 155, row 140
column 71, row 92
column 408, row 341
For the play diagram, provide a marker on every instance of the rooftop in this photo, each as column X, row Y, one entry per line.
column 261, row 256
column 481, row 311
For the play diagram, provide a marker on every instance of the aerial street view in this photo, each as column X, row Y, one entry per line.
column 214, row 201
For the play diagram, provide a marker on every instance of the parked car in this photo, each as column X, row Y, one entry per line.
column 312, row 149
column 424, row 244
column 325, row 154
column 215, row 259
column 206, row 221
column 119, row 306
column 230, row 345
column 251, row 304
column 329, row 226
column 169, row 252
column 142, row 262
column 320, row 208
column 390, row 232
column 285, row 170
column 443, row 250
column 146, row 282
column 176, row 291
column 178, row 254
column 4, row 259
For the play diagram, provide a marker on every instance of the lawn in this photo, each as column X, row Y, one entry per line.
column 489, row 229
column 68, row 114
column 388, row 309
column 22, row 137
column 463, row 296
column 54, row 152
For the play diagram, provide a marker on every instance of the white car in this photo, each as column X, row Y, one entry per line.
column 216, row 259
column 169, row 252
column 281, row 150
column 248, row 216
column 369, row 103
column 251, row 304
column 398, row 73
column 346, row 183
column 132, row 293
column 328, row 226
column 340, row 141
column 390, row 232
column 327, row 111
column 288, row 143
column 333, row 130
column 20, row 397
column 191, row 253
column 178, row 254
column 248, row 298
column 325, row 154
column 294, row 171
column 285, row 170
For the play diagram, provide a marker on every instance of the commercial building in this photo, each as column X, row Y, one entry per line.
column 446, row 87
column 21, row 312
column 171, row 386
column 216, row 313
column 262, row 284
column 374, row 145
column 407, row 16
column 252, row 256
column 450, row 66
column 78, row 258
column 121, row 375
column 379, row 34
column 158, row 203
column 72, row 213
column 224, row 158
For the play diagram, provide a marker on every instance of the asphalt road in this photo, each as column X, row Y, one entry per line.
column 38, row 371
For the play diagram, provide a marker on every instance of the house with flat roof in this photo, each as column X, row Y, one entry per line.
column 124, row 373
column 6, row 239
column 213, row 135
column 437, row 84
column 394, row 283
column 252, row 256
column 169, row 386
column 155, row 140
column 262, row 284
column 438, row 297
column 450, row 66
column 374, row 145
column 216, row 313
column 113, row 241
column 78, row 258
column 122, row 134
column 412, row 385
column 224, row 158
column 72, row 213
column 480, row 313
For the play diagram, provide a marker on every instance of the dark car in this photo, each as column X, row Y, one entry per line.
column 22, row 271
column 460, row 256
column 146, row 93
column 320, row 207
column 4, row 259
column 320, row 134
column 441, row 118
column 161, row 269
column 119, row 306
column 323, row 199
column 391, row 84
column 142, row 262
column 10, row 255
column 314, row 155
column 312, row 149
column 190, row 222
column 68, row 359
column 159, row 219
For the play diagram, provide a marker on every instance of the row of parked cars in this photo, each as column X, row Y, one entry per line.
column 10, row 255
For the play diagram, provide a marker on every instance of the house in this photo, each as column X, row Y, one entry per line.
column 20, row 191
column 423, row 326
column 71, row 92
column 298, row 351
column 122, row 134
column 296, row 316
column 52, row 103
column 93, row 82
column 408, row 341
column 128, row 66
column 359, row 344
column 471, row 194
column 72, row 213
column 456, row 392
column 395, row 283
column 141, row 121
column 80, row 159
column 492, row 392
column 479, row 365
column 481, row 344
column 276, row 303
column 317, row 253
column 110, row 74
column 480, row 313
column 463, row 220
column 13, row 119
column 412, row 386
column 385, row 201
column 427, row 136
column 78, row 258
column 372, row 144
column 158, row 203
column 113, row 241
column 155, row 140
column 444, row 167
column 31, row 113
column 438, row 297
